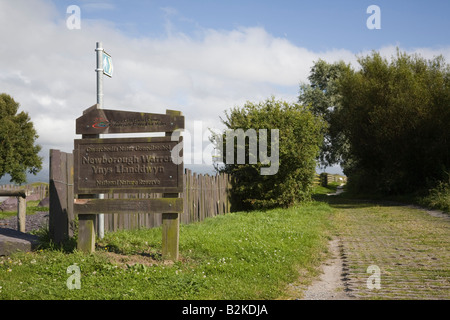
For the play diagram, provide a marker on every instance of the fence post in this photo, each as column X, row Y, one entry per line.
column 21, row 213
column 171, row 221
column 170, row 232
column 86, row 233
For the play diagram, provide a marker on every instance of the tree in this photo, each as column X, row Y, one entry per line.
column 300, row 135
column 391, row 122
column 18, row 152
column 396, row 118
column 322, row 95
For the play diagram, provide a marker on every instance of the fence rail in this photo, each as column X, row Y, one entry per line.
column 40, row 191
column 21, row 206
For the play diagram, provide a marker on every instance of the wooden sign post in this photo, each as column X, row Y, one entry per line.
column 128, row 165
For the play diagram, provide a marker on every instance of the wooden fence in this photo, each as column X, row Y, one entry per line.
column 203, row 195
column 40, row 191
column 324, row 179
column 22, row 193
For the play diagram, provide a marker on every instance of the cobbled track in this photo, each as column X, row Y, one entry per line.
column 410, row 246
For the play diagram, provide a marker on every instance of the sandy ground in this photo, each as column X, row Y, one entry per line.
column 330, row 285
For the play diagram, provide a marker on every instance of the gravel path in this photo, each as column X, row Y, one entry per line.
column 32, row 222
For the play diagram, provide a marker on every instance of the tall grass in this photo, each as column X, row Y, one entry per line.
column 438, row 198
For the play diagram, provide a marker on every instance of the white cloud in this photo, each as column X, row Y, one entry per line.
column 49, row 69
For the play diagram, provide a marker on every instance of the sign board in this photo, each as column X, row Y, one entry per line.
column 103, row 121
column 107, row 64
column 127, row 165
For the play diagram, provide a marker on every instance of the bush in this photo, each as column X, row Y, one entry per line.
column 439, row 197
column 300, row 136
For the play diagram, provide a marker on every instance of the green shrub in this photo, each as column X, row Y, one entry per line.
column 300, row 136
column 439, row 197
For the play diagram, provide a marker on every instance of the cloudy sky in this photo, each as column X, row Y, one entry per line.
column 199, row 56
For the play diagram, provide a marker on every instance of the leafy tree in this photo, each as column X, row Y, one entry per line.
column 18, row 152
column 322, row 95
column 300, row 136
column 391, row 122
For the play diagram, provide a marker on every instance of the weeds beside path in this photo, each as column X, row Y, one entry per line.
column 408, row 245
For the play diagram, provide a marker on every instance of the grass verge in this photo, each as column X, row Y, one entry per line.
column 244, row 255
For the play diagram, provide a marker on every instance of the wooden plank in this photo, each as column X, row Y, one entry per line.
column 171, row 230
column 185, row 196
column 197, row 198
column 86, row 233
column 170, row 236
column 121, row 206
column 70, row 196
column 104, row 121
column 61, row 218
column 13, row 193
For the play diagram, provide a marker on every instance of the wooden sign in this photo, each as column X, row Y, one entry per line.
column 102, row 121
column 127, row 165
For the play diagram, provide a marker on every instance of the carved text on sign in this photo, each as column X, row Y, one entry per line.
column 126, row 165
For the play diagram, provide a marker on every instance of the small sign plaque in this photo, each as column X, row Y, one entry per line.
column 107, row 64
column 128, row 165
column 104, row 121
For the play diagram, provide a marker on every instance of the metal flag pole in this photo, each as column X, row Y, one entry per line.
column 99, row 70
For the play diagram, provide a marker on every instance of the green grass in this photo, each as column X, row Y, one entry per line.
column 320, row 190
column 243, row 255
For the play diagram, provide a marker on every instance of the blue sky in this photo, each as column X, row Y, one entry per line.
column 201, row 57
column 317, row 25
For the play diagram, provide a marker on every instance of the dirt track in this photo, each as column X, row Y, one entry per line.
column 330, row 285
